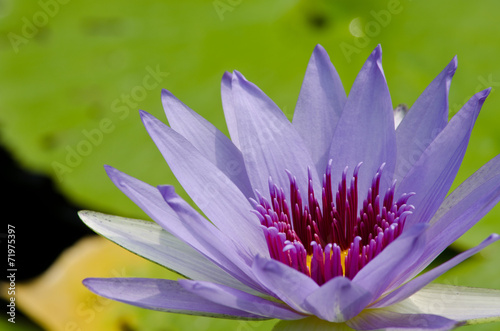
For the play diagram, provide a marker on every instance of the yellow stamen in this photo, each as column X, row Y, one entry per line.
column 343, row 256
column 308, row 260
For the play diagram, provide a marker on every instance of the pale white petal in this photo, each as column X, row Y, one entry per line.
column 149, row 240
column 473, row 305
column 399, row 113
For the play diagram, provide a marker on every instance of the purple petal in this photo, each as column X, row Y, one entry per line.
column 147, row 197
column 230, row 297
column 338, row 300
column 440, row 162
column 425, row 120
column 416, row 284
column 230, row 252
column 268, row 141
column 214, row 193
column 228, row 106
column 365, row 132
column 202, row 235
column 161, row 294
column 320, row 104
column 149, row 240
column 208, row 140
column 463, row 208
column 289, row 285
column 398, row 256
column 381, row 319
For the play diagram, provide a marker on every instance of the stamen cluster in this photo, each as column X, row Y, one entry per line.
column 329, row 239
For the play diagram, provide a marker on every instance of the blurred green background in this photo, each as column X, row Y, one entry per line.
column 73, row 75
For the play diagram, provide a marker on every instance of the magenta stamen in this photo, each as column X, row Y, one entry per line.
column 324, row 231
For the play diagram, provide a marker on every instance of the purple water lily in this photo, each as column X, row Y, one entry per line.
column 328, row 220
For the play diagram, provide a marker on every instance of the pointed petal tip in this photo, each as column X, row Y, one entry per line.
column 454, row 62
column 479, row 98
column 84, row 213
column 149, row 120
column 84, row 216
column 377, row 52
column 227, row 76
column 238, row 76
column 110, row 171
column 451, row 68
column 143, row 114
column 376, row 57
column 85, row 282
column 116, row 176
column 89, row 282
column 319, row 48
column 484, row 94
column 493, row 236
column 99, row 286
column 166, row 94
column 241, row 82
column 167, row 191
column 321, row 56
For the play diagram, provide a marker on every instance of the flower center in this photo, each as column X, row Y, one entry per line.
column 330, row 239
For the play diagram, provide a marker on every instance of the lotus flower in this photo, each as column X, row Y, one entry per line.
column 328, row 220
